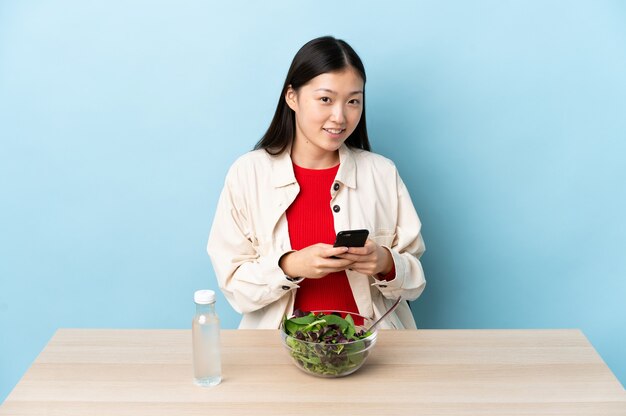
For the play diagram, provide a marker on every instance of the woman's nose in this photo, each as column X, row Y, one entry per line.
column 337, row 114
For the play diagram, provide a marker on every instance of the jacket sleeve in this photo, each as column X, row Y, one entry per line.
column 249, row 281
column 406, row 249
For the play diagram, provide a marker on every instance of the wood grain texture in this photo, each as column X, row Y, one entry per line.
column 434, row 372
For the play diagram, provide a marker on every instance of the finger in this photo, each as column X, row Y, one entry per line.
column 337, row 263
column 351, row 257
column 334, row 251
column 322, row 245
column 338, row 267
column 361, row 251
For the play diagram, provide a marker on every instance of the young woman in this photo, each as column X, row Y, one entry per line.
column 310, row 176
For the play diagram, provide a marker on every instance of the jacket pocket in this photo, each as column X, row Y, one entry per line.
column 384, row 237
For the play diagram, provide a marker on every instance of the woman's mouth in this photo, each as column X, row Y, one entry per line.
column 334, row 131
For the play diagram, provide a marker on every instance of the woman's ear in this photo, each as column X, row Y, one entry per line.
column 291, row 98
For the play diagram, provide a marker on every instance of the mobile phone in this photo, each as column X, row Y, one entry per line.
column 351, row 238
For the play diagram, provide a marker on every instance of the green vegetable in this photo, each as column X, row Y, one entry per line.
column 326, row 344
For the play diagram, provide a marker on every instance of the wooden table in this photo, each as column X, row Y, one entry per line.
column 433, row 372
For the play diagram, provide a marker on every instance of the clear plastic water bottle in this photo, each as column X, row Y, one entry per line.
column 205, row 330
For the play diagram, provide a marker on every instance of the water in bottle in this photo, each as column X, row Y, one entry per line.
column 207, row 367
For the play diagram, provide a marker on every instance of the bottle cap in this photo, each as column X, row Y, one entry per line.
column 204, row 297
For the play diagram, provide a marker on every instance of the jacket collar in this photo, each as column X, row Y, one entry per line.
column 347, row 168
column 282, row 168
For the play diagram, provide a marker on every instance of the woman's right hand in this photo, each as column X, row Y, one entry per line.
column 314, row 262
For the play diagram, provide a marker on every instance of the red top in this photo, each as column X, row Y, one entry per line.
column 310, row 221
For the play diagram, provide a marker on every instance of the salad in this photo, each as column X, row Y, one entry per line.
column 326, row 344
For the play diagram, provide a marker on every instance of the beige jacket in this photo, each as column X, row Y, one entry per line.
column 250, row 234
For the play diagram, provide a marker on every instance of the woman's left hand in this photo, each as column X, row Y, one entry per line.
column 371, row 259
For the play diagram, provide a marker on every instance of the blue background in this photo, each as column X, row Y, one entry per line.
column 118, row 121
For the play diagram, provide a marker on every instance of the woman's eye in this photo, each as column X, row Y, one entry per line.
column 354, row 101
column 325, row 99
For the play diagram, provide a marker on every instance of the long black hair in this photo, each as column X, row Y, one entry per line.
column 316, row 57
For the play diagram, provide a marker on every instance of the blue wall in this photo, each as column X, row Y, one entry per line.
column 118, row 121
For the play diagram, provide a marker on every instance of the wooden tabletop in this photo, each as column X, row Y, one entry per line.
column 430, row 372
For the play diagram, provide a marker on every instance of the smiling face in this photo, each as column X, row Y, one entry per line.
column 328, row 109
